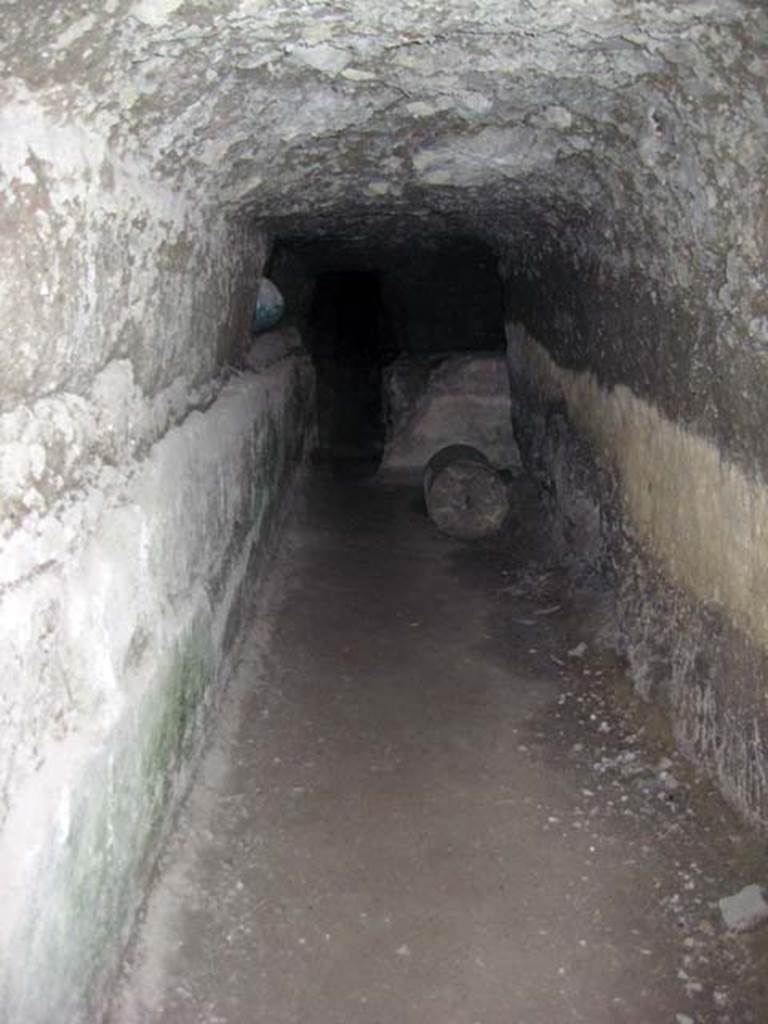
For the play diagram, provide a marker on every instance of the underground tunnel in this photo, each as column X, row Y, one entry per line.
column 272, row 746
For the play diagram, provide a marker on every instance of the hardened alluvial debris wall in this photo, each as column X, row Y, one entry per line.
column 636, row 397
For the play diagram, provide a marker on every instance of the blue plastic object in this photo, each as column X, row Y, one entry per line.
column 269, row 308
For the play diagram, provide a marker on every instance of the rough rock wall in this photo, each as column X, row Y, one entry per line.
column 140, row 482
column 673, row 508
column 96, row 254
column 341, row 121
column 115, row 651
column 638, row 355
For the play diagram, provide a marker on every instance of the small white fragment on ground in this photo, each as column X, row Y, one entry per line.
column 683, row 1018
column 578, row 651
column 404, row 951
column 745, row 909
column 668, row 781
column 548, row 611
column 357, row 75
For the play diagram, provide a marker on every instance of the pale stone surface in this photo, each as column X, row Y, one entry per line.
column 744, row 910
column 115, row 639
column 123, row 512
column 455, row 400
column 273, row 346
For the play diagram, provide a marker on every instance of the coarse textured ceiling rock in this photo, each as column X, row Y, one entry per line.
column 361, row 116
column 583, row 139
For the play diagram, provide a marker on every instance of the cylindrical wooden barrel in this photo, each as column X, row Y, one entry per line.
column 465, row 496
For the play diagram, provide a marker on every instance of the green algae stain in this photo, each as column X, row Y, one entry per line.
column 173, row 727
column 97, row 866
column 122, row 810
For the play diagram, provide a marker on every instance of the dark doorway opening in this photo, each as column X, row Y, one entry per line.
column 346, row 337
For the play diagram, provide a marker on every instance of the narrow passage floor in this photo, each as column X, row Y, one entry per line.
column 420, row 808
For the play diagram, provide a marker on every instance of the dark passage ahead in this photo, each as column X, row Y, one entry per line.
column 346, row 339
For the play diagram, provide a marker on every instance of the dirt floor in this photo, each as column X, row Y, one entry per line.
column 420, row 808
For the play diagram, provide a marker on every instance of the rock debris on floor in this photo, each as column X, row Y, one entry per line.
column 432, row 799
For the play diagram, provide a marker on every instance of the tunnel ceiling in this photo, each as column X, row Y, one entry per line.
column 365, row 116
